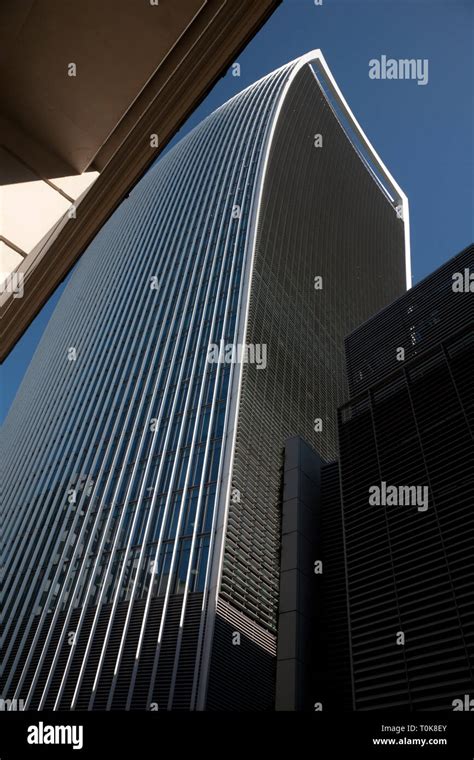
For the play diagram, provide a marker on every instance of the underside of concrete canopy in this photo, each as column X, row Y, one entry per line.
column 90, row 94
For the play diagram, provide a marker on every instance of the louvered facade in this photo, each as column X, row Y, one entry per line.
column 411, row 571
column 141, row 522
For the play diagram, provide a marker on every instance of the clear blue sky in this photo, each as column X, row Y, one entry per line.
column 424, row 134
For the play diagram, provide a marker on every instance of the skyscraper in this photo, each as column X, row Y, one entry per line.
column 141, row 543
column 407, row 439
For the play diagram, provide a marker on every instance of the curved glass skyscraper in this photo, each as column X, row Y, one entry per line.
column 202, row 327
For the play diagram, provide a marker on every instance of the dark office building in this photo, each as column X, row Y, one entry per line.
column 410, row 556
column 142, row 518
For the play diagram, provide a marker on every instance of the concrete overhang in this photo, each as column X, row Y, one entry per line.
column 91, row 92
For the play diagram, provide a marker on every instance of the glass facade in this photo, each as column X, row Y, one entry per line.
column 113, row 444
column 116, row 449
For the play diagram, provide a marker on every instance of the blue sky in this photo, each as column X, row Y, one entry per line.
column 424, row 134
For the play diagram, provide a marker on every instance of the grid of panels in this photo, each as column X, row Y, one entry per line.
column 418, row 320
column 322, row 214
column 411, row 571
column 241, row 677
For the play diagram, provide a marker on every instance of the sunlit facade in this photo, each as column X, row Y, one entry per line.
column 141, row 513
